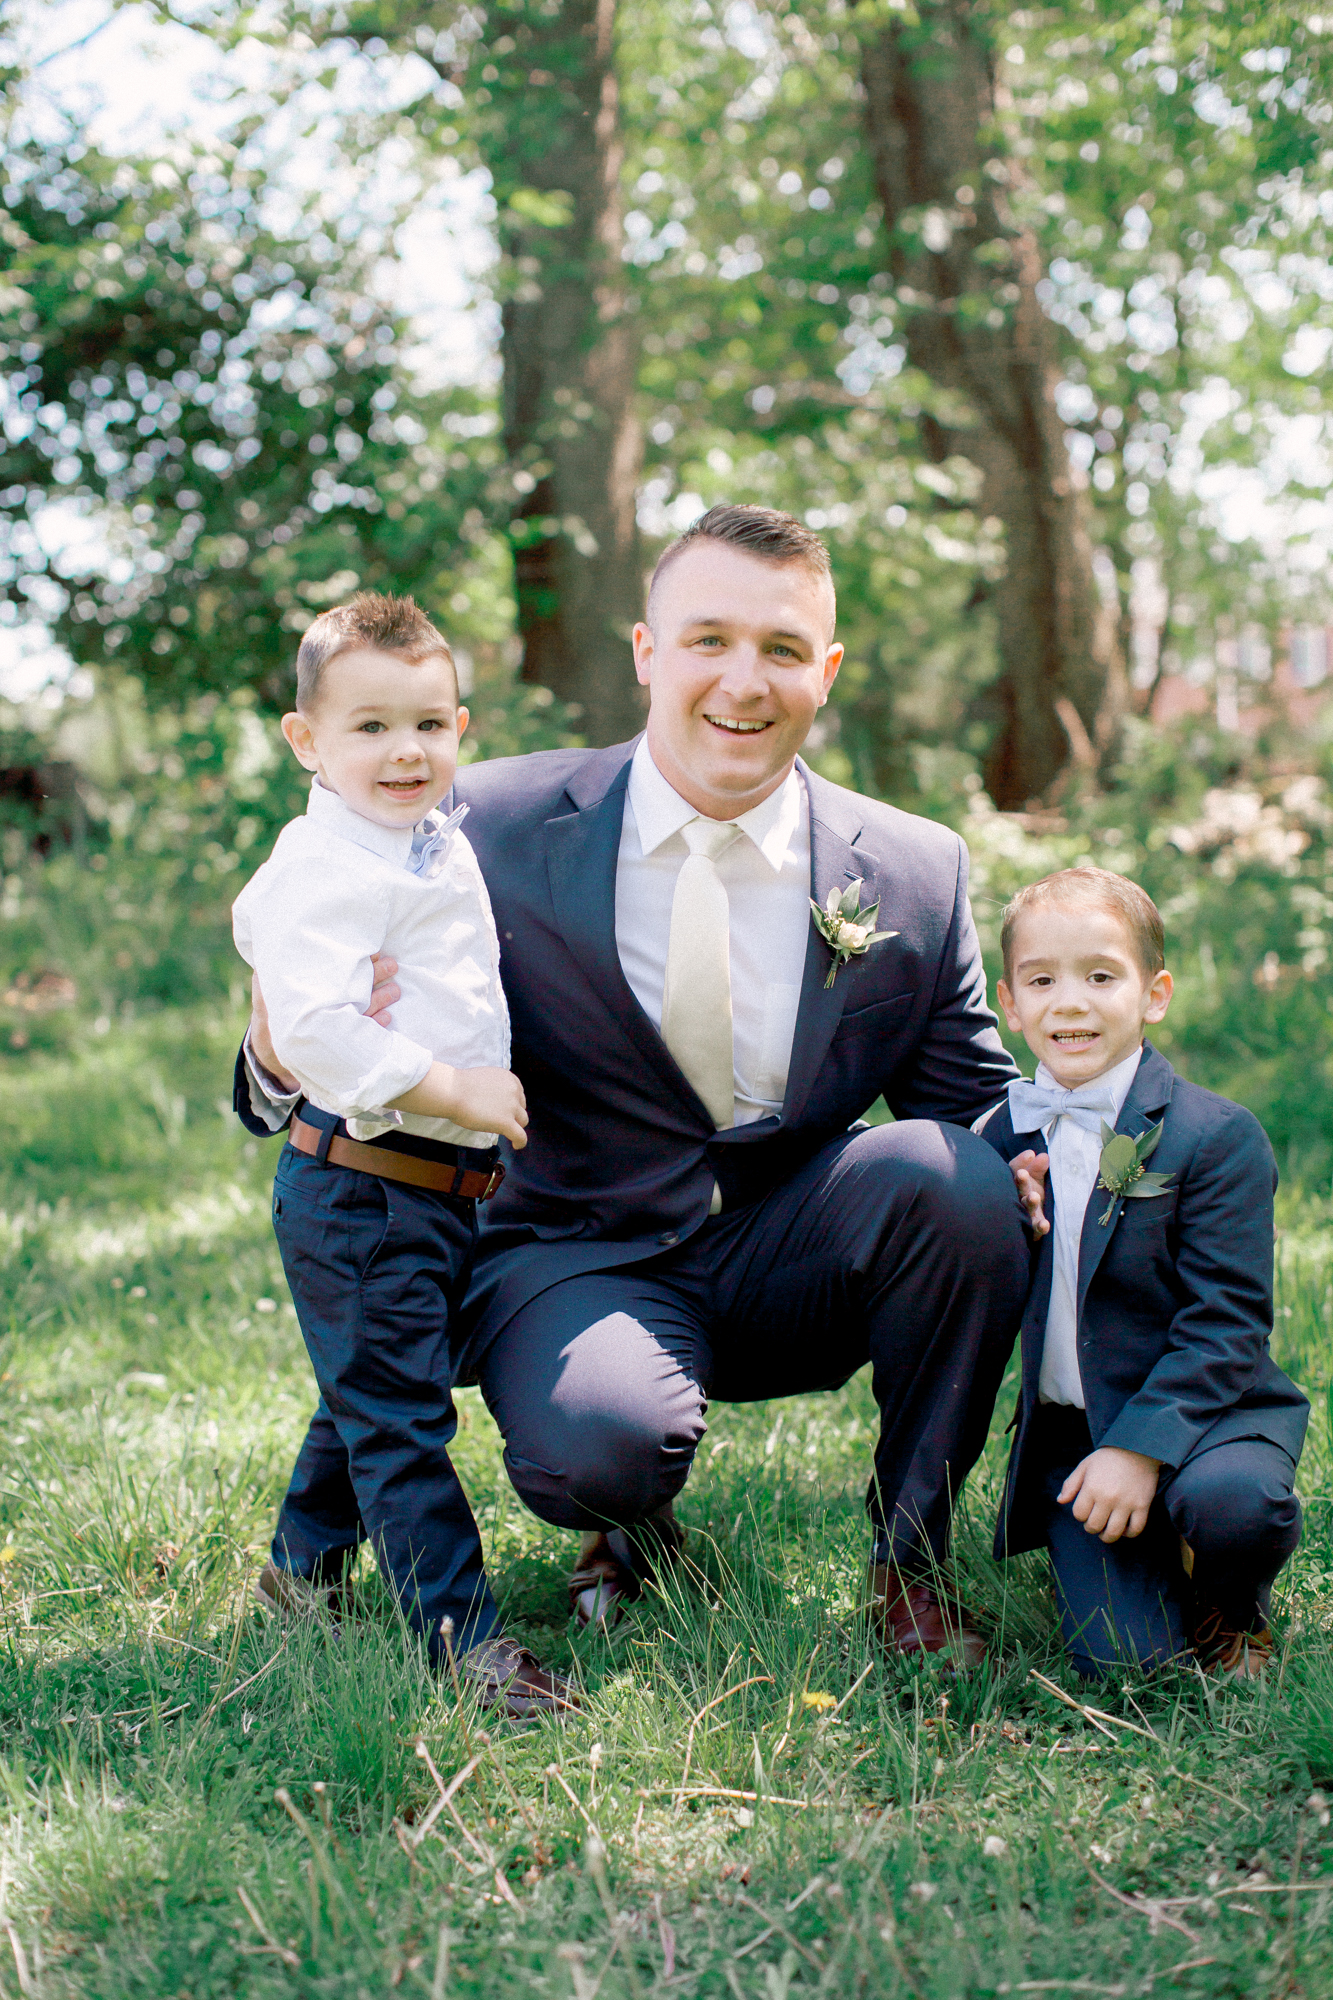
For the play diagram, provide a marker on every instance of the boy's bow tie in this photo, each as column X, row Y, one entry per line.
column 1032, row 1105
column 432, row 837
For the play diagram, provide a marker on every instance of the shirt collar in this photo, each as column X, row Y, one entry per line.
column 660, row 811
column 391, row 843
column 1117, row 1081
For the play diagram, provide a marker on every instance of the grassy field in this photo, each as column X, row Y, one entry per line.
column 198, row 1801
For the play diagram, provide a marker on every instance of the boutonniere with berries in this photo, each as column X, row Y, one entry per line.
column 845, row 927
column 1121, row 1172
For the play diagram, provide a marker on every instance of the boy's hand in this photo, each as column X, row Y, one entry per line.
column 1029, row 1172
column 1112, row 1492
column 482, row 1100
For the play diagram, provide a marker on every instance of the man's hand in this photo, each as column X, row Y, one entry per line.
column 383, row 993
column 1112, row 1492
column 1029, row 1172
column 261, row 1042
column 481, row 1100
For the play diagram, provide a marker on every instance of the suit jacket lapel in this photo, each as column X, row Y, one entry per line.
column 1149, row 1094
column 582, row 848
column 834, row 827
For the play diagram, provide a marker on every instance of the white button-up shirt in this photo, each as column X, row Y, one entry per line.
column 767, row 879
column 1075, row 1161
column 337, row 888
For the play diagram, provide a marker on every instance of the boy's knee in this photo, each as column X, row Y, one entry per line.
column 1231, row 1502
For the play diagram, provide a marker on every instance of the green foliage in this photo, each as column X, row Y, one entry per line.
column 224, row 414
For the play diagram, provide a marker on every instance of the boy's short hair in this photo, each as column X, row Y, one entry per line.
column 385, row 624
column 756, row 531
column 1116, row 893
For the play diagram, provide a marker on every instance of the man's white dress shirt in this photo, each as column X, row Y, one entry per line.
column 767, row 879
column 1075, row 1156
column 337, row 888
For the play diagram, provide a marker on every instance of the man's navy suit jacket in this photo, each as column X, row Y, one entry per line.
column 622, row 1155
column 1175, row 1296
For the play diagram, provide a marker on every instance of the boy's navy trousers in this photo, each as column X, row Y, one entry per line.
column 377, row 1270
column 1131, row 1601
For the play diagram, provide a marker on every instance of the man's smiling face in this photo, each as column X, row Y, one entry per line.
column 738, row 656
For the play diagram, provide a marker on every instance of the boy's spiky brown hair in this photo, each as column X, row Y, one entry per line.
column 370, row 619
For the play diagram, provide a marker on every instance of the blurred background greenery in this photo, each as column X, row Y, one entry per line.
column 1028, row 312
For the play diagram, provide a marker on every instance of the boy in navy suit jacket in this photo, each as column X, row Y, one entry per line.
column 1156, row 1440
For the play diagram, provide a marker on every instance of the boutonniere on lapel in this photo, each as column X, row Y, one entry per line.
column 845, row 927
column 1121, row 1171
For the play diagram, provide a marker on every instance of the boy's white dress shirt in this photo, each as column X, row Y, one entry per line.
column 336, row 888
column 1075, row 1155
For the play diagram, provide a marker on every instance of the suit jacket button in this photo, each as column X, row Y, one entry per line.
column 668, row 1239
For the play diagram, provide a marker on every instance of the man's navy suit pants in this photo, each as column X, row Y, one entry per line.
column 377, row 1271
column 1131, row 1601
column 901, row 1246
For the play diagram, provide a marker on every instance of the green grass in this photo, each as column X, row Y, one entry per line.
column 195, row 1800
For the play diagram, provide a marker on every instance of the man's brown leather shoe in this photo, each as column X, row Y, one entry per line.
column 508, row 1676
column 913, row 1618
column 612, row 1568
column 1223, row 1649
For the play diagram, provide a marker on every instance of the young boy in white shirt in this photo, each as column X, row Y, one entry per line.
column 1156, row 1445
column 394, row 1140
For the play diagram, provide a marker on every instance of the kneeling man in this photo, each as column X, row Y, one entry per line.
column 698, row 1212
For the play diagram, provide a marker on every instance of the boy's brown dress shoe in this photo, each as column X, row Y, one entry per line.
column 507, row 1676
column 913, row 1618
column 1223, row 1649
column 612, row 1568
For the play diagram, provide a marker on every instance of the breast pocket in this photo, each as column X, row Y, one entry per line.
column 882, row 1017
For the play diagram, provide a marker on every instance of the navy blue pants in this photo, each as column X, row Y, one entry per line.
column 1131, row 1600
column 902, row 1246
column 377, row 1271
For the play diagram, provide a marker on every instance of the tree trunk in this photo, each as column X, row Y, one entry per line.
column 549, row 132
column 966, row 276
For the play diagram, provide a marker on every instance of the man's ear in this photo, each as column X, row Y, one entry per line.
column 298, row 733
column 1006, row 1000
column 643, row 652
column 832, row 661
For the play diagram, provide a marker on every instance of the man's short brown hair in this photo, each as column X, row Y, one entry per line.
column 1124, row 899
column 756, row 531
column 383, row 624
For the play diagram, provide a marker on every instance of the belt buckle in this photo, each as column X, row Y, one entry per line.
column 496, row 1176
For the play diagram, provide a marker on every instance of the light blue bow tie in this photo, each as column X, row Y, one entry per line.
column 432, row 837
column 1032, row 1105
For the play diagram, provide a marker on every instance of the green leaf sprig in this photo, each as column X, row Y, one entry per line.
column 1121, row 1170
column 845, row 927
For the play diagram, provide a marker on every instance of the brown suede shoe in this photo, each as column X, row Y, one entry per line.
column 612, row 1569
column 509, row 1677
column 1223, row 1649
column 913, row 1618
column 293, row 1596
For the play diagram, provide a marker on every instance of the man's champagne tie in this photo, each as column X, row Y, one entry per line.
column 696, row 997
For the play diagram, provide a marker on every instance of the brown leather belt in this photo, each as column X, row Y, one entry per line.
column 463, row 1183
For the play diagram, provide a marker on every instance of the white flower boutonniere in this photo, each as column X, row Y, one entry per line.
column 845, row 927
column 1121, row 1172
